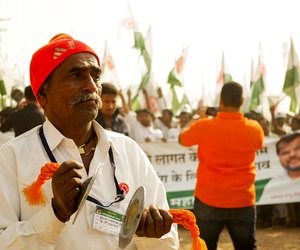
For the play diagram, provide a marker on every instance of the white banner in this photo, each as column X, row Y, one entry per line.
column 176, row 167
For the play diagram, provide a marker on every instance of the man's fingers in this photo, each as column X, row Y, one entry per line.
column 73, row 183
column 72, row 173
column 156, row 223
column 141, row 230
column 150, row 226
column 168, row 220
column 67, row 166
column 72, row 195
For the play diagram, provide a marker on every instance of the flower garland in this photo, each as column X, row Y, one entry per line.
column 188, row 220
column 34, row 193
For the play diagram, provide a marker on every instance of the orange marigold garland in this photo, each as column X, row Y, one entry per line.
column 34, row 192
column 187, row 219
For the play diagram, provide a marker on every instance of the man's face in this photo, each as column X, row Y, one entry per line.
column 166, row 117
column 295, row 123
column 265, row 126
column 109, row 104
column 73, row 94
column 289, row 153
column 184, row 118
column 144, row 118
column 280, row 122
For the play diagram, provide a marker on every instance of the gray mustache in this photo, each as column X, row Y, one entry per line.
column 85, row 97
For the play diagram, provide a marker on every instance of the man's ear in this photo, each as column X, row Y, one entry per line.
column 242, row 101
column 42, row 97
column 221, row 105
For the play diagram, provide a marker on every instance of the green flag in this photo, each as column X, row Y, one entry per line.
column 257, row 84
column 291, row 81
column 2, row 93
column 175, row 79
column 175, row 100
column 2, row 87
column 223, row 77
column 185, row 100
column 148, row 80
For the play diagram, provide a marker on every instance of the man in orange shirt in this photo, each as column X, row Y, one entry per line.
column 225, row 191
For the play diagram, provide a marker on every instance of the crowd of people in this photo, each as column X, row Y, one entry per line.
column 67, row 103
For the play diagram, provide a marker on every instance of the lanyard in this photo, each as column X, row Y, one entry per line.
column 120, row 193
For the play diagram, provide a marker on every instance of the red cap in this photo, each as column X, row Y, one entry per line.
column 49, row 57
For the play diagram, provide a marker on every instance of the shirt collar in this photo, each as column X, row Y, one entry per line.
column 54, row 137
column 230, row 115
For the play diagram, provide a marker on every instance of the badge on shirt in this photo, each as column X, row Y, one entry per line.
column 108, row 221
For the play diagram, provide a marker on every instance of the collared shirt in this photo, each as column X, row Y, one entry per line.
column 35, row 227
column 139, row 133
column 281, row 189
column 227, row 147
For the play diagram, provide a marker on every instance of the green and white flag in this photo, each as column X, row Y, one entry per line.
column 185, row 100
column 109, row 73
column 152, row 85
column 246, row 92
column 257, row 84
column 223, row 77
column 291, row 82
column 148, row 79
column 175, row 79
column 129, row 32
column 2, row 93
column 130, row 23
column 2, row 87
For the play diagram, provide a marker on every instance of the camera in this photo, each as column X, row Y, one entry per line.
column 212, row 111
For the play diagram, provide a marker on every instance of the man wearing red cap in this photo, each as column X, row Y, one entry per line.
column 65, row 76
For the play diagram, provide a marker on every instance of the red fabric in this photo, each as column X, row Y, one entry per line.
column 227, row 147
column 45, row 60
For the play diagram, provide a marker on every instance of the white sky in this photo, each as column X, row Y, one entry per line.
column 207, row 27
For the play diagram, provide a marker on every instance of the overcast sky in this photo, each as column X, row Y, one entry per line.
column 206, row 27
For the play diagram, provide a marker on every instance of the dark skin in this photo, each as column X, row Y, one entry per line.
column 71, row 101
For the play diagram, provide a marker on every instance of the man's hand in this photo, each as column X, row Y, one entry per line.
column 159, row 92
column 66, row 184
column 154, row 223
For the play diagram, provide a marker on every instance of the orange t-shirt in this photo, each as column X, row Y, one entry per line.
column 227, row 147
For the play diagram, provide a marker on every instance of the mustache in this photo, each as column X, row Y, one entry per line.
column 86, row 97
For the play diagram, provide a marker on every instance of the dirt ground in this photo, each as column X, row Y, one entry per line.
column 276, row 237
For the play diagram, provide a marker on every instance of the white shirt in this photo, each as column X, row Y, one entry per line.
column 158, row 124
column 35, row 227
column 139, row 133
column 173, row 133
column 4, row 137
column 281, row 189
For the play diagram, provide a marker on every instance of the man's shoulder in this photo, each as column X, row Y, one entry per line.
column 118, row 137
column 252, row 124
column 27, row 139
column 121, row 141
